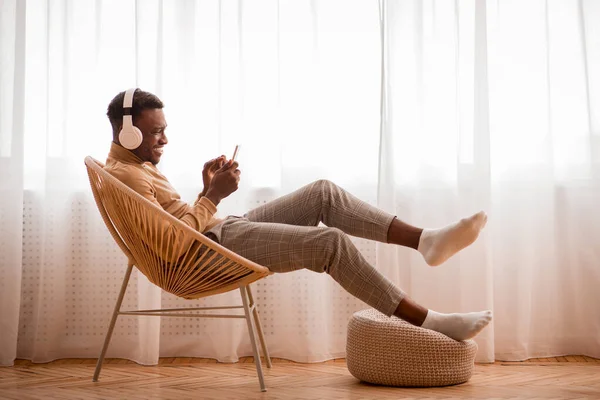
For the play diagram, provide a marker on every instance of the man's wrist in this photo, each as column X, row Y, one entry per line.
column 213, row 197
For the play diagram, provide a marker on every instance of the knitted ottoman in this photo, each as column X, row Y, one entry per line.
column 389, row 351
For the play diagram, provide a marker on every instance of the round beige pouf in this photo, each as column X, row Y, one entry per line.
column 389, row 351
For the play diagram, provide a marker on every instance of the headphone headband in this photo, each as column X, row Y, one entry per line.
column 128, row 99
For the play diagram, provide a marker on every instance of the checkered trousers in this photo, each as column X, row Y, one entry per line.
column 283, row 236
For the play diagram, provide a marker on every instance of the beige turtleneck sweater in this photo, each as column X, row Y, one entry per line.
column 146, row 179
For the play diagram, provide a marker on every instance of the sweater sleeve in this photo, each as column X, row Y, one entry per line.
column 163, row 237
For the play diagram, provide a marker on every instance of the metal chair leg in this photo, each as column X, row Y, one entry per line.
column 250, row 322
column 259, row 329
column 113, row 321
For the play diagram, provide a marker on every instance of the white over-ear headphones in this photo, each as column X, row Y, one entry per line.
column 130, row 135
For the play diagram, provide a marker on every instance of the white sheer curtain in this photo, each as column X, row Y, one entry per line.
column 495, row 106
column 487, row 105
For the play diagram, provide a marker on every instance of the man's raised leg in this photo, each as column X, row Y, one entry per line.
column 324, row 201
column 286, row 248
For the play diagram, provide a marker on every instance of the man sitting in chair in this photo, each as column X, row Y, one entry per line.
column 283, row 234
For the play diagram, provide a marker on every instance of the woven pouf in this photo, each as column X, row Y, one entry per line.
column 389, row 351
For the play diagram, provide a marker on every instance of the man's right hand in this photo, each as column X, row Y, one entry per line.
column 224, row 182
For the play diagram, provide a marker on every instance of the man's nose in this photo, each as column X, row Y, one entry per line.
column 163, row 139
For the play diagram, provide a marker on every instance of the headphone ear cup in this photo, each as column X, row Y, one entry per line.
column 130, row 137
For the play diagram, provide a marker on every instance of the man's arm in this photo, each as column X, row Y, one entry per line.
column 160, row 235
column 197, row 216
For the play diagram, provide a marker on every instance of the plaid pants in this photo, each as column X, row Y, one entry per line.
column 283, row 236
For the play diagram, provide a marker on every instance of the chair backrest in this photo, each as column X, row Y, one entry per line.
column 168, row 252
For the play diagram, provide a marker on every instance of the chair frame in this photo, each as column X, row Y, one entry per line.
column 248, row 304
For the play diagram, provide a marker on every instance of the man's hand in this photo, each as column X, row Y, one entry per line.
column 224, row 182
column 209, row 170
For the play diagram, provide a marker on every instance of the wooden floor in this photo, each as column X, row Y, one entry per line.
column 571, row 377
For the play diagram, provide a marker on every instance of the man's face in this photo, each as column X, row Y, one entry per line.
column 152, row 124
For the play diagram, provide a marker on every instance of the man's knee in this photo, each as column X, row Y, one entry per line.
column 337, row 248
column 323, row 183
column 334, row 242
column 335, row 235
column 324, row 187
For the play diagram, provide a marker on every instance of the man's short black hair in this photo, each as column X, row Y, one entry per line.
column 141, row 101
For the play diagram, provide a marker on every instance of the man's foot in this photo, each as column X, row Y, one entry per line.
column 438, row 245
column 457, row 326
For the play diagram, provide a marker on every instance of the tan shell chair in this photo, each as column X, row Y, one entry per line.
column 201, row 268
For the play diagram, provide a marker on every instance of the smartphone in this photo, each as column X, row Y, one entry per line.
column 236, row 152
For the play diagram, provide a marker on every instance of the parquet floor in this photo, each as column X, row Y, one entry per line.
column 570, row 377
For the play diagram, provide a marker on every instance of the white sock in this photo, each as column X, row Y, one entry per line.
column 457, row 326
column 438, row 245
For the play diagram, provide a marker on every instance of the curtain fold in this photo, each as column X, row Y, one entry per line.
column 431, row 110
column 12, row 81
